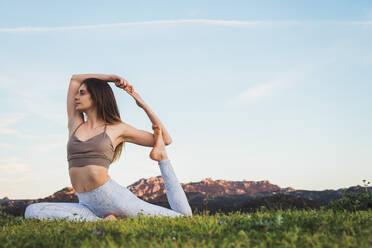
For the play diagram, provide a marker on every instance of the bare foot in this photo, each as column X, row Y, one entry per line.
column 158, row 153
column 110, row 217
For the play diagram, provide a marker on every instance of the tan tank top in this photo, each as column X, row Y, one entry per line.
column 97, row 150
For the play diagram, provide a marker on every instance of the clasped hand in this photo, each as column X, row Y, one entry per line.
column 123, row 84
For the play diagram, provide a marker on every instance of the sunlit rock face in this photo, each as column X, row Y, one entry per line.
column 153, row 188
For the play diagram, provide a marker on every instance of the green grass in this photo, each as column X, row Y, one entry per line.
column 312, row 228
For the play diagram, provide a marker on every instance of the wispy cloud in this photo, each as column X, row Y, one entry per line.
column 256, row 92
column 31, row 99
column 362, row 22
column 54, row 111
column 6, row 122
column 12, row 166
column 271, row 87
column 232, row 23
column 8, row 119
column 291, row 78
column 42, row 143
column 15, row 173
column 368, row 12
column 48, row 142
column 6, row 145
column 16, row 133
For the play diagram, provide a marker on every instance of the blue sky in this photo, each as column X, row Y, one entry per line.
column 248, row 90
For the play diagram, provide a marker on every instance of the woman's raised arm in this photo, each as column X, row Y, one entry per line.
column 104, row 77
column 154, row 119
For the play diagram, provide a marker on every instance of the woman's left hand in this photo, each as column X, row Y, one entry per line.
column 139, row 101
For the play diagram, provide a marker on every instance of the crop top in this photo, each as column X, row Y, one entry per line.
column 97, row 150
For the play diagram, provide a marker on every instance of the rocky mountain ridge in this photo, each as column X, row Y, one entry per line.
column 152, row 190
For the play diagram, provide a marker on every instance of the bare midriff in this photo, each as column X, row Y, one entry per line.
column 87, row 178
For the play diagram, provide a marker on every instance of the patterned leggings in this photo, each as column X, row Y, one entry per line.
column 112, row 198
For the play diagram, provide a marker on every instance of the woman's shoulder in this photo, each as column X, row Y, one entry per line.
column 117, row 130
column 73, row 126
column 118, row 126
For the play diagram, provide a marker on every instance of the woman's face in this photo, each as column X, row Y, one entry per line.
column 83, row 101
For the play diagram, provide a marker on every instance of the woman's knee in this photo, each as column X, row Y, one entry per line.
column 184, row 210
column 32, row 209
column 187, row 212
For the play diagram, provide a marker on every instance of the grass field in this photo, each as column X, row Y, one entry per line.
column 311, row 228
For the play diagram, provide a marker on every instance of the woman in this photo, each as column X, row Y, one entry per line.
column 97, row 142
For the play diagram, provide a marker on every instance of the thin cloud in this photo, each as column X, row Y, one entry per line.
column 368, row 13
column 5, row 181
column 232, row 23
column 6, row 145
column 256, row 92
column 7, row 129
column 33, row 103
column 9, row 160
column 289, row 79
column 15, row 132
column 11, row 118
column 43, row 143
column 15, row 172
column 48, row 143
column 12, row 167
column 362, row 23
column 32, row 100
column 271, row 87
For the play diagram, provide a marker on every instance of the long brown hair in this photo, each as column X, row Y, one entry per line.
column 107, row 110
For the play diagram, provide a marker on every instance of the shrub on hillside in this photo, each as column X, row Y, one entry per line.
column 353, row 201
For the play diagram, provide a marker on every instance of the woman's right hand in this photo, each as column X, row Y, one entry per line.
column 120, row 82
column 123, row 84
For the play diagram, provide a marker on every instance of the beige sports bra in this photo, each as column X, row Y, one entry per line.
column 97, row 150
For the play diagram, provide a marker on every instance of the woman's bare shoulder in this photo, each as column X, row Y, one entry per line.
column 120, row 128
column 117, row 124
column 73, row 125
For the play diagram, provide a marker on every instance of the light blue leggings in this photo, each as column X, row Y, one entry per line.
column 112, row 198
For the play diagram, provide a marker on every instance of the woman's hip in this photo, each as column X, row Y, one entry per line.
column 107, row 198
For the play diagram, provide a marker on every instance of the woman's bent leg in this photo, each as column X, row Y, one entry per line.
column 131, row 205
column 60, row 210
column 112, row 198
column 124, row 202
column 175, row 194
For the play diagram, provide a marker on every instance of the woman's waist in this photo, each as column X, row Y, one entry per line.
column 89, row 170
column 87, row 178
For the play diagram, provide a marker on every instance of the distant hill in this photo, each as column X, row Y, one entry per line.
column 208, row 194
column 153, row 189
